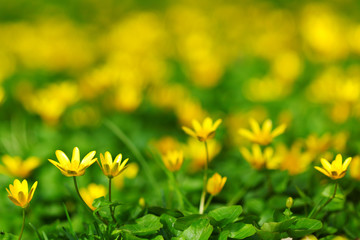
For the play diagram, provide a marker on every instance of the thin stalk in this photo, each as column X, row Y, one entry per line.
column 77, row 191
column 203, row 194
column 327, row 202
column 83, row 201
column 111, row 208
column 23, row 225
column 208, row 202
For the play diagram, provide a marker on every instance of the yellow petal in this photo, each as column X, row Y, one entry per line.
column 32, row 190
column 267, row 126
column 246, row 154
column 216, row 124
column 189, row 132
column 279, row 130
column 254, row 125
column 346, row 163
column 337, row 163
column 207, row 124
column 15, row 201
column 62, row 158
column 326, row 165
column 75, row 160
column 247, row 134
column 88, row 158
column 196, row 125
column 108, row 158
column 323, row 171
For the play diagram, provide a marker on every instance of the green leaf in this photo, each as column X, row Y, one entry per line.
column 184, row 222
column 225, row 215
column 223, row 235
column 240, row 230
column 268, row 235
column 168, row 226
column 159, row 211
column 278, row 226
column 147, row 225
column 198, row 230
column 304, row 226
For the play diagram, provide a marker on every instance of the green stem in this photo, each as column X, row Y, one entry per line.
column 120, row 134
column 208, row 202
column 111, row 208
column 77, row 191
column 23, row 225
column 83, row 201
column 203, row 194
column 327, row 202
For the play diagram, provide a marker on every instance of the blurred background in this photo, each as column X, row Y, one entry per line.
column 150, row 67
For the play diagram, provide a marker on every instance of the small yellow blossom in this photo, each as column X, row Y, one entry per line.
column 92, row 192
column 289, row 202
column 112, row 168
column 205, row 131
column 165, row 144
column 142, row 202
column 355, row 168
column 19, row 193
column 215, row 184
column 75, row 167
column 173, row 160
column 14, row 166
column 259, row 159
column 264, row 135
column 335, row 170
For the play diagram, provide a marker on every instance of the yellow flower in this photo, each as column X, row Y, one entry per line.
column 355, row 168
column 75, row 167
column 336, row 169
column 259, row 159
column 317, row 145
column 112, row 168
column 309, row 237
column 215, row 184
column 205, row 131
column 16, row 167
column 294, row 159
column 19, row 193
column 92, row 192
column 264, row 135
column 173, row 160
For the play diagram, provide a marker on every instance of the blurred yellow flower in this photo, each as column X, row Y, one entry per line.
column 335, row 170
column 198, row 158
column 259, row 159
column 173, row 160
column 19, row 193
column 75, row 167
column 294, row 159
column 165, row 144
column 355, row 168
column 317, row 145
column 14, row 166
column 215, row 184
column 112, row 168
column 205, row 131
column 131, row 172
column 92, row 192
column 264, row 135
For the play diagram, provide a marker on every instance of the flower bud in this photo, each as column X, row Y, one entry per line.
column 289, row 202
